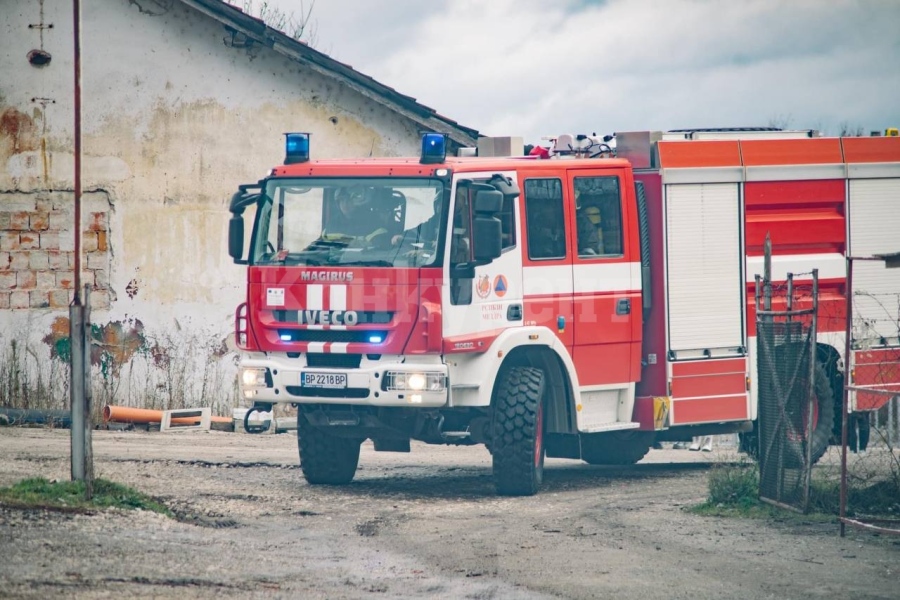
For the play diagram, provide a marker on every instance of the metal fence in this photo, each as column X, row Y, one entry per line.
column 870, row 477
column 886, row 421
column 785, row 405
column 786, row 363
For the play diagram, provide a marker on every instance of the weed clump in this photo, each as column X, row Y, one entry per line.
column 734, row 485
column 40, row 493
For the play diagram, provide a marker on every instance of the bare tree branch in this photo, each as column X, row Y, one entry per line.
column 302, row 28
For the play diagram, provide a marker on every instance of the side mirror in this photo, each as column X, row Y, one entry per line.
column 486, row 227
column 236, row 238
column 487, row 238
column 488, row 201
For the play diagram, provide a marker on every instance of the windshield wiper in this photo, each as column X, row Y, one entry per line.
column 365, row 263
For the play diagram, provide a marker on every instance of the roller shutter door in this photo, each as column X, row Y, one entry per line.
column 874, row 212
column 704, row 267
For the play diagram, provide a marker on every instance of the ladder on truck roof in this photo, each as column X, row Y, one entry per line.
column 739, row 133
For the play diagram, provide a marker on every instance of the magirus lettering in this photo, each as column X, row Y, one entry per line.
column 327, row 276
column 328, row 317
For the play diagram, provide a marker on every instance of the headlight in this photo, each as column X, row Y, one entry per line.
column 254, row 377
column 429, row 381
column 416, row 381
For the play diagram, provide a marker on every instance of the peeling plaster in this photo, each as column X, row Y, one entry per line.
column 112, row 345
column 18, row 133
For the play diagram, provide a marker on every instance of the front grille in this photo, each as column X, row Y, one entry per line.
column 334, row 361
column 363, row 317
column 329, row 335
column 296, row 390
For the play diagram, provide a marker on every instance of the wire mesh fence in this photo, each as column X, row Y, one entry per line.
column 870, row 457
column 785, row 404
column 886, row 423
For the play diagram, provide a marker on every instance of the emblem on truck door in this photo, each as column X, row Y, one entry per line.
column 328, row 317
column 483, row 286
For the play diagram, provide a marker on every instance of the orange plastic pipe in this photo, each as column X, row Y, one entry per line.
column 125, row 414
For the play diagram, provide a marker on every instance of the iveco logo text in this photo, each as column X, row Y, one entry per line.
column 326, row 276
column 328, row 317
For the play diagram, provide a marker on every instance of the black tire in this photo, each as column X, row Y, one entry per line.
column 325, row 458
column 517, row 429
column 748, row 441
column 615, row 447
column 825, row 417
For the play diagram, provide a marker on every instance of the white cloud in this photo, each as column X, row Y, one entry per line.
column 532, row 67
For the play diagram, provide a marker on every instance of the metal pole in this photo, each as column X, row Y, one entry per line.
column 845, row 405
column 811, row 388
column 76, row 6
column 757, row 292
column 762, row 341
column 87, row 397
column 790, row 293
column 79, row 342
column 76, row 344
column 892, row 428
column 767, row 274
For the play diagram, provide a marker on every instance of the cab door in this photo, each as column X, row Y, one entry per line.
column 605, row 276
column 476, row 310
column 547, row 254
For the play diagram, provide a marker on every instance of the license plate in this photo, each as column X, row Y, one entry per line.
column 324, row 380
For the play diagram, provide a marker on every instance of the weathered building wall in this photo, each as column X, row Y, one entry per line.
column 177, row 112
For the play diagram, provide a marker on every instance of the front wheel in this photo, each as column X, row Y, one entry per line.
column 326, row 458
column 517, row 430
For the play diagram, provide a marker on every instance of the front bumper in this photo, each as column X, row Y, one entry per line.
column 363, row 384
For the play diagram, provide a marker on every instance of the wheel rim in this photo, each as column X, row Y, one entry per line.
column 801, row 435
column 539, row 436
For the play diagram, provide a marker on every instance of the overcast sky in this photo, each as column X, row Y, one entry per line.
column 536, row 68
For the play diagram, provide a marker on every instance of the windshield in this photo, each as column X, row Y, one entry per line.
column 354, row 221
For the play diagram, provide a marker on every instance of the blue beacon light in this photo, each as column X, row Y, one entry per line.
column 375, row 339
column 296, row 148
column 434, row 148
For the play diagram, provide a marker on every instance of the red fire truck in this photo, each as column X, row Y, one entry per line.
column 579, row 306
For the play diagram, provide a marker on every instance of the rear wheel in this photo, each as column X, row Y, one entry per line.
column 517, row 428
column 823, row 413
column 616, row 447
column 326, row 458
column 749, row 441
column 823, row 419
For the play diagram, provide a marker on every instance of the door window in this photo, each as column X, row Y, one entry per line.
column 598, row 212
column 545, row 219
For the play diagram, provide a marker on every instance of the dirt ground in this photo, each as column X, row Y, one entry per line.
column 421, row 525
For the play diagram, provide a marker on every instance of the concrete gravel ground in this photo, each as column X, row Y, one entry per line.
column 421, row 525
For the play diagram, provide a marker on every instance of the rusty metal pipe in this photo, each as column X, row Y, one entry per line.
column 125, row 414
column 76, row 9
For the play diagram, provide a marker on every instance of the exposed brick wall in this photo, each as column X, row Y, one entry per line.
column 37, row 244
